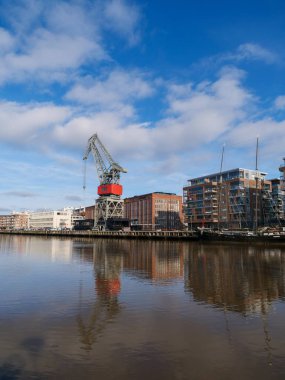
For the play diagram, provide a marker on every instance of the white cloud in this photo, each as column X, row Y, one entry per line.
column 23, row 15
column 121, row 137
column 6, row 41
column 73, row 19
column 271, row 135
column 196, row 117
column 47, row 56
column 255, row 52
column 23, row 124
column 244, row 52
column 202, row 114
column 113, row 91
column 50, row 41
column 123, row 18
column 280, row 102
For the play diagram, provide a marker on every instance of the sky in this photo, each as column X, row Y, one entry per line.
column 164, row 84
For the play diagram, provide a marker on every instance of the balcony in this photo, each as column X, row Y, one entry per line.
column 209, row 191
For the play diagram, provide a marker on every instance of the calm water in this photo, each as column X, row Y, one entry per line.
column 106, row 309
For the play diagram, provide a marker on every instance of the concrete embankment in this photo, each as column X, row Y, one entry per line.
column 152, row 235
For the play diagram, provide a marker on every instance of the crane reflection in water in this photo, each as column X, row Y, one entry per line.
column 151, row 261
column 107, row 270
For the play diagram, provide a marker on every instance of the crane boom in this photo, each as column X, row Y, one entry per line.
column 108, row 170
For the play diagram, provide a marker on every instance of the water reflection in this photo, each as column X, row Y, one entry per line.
column 149, row 261
column 239, row 278
column 107, row 268
column 160, row 262
column 37, row 247
column 80, row 308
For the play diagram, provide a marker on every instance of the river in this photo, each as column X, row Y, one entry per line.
column 125, row 309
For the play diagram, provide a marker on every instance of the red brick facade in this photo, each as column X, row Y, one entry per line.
column 155, row 211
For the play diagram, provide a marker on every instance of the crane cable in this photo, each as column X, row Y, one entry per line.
column 84, row 174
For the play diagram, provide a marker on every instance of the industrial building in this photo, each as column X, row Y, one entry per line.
column 236, row 198
column 90, row 212
column 154, row 211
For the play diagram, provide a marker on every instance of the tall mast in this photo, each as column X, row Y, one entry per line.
column 256, row 186
column 220, row 187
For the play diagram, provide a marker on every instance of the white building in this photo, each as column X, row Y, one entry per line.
column 50, row 219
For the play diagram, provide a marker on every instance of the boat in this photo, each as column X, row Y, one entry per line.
column 241, row 235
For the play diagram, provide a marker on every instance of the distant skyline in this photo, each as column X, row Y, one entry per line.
column 164, row 84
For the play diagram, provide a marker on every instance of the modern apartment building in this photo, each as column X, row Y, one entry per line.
column 278, row 196
column 154, row 211
column 234, row 198
column 281, row 198
column 16, row 220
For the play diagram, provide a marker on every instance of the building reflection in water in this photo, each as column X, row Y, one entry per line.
column 241, row 278
column 147, row 260
column 159, row 261
column 71, row 320
column 237, row 278
column 38, row 247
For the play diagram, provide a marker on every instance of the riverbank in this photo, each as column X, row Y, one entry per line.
column 154, row 235
column 213, row 236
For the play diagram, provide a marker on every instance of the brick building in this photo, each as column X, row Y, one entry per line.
column 90, row 212
column 17, row 220
column 154, row 211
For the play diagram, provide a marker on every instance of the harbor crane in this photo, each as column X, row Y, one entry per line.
column 109, row 203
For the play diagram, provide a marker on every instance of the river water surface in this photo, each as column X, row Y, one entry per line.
column 126, row 309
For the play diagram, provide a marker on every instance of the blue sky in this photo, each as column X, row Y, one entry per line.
column 164, row 84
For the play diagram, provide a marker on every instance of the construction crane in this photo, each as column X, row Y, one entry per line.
column 109, row 204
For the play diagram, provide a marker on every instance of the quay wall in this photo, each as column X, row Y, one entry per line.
column 151, row 235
